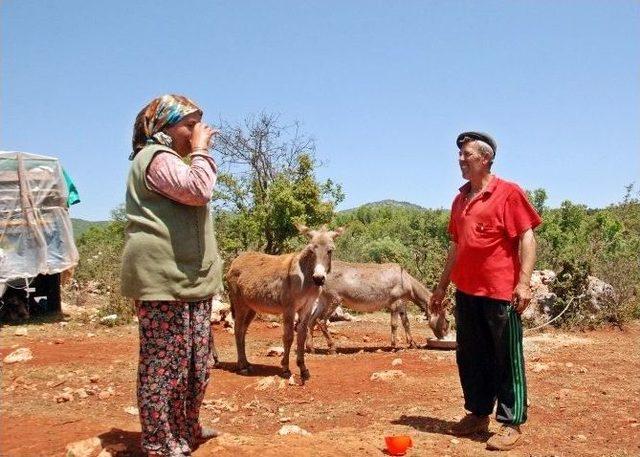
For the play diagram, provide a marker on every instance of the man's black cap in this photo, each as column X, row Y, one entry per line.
column 478, row 136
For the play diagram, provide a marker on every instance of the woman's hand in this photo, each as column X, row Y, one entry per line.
column 202, row 135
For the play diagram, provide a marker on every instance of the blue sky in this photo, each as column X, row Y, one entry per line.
column 384, row 87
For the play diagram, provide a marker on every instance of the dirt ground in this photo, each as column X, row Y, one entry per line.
column 584, row 392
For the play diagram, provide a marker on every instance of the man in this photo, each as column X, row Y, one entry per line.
column 490, row 260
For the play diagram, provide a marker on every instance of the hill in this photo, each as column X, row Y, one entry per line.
column 80, row 226
column 392, row 203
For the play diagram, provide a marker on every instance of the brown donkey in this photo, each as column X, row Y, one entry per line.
column 280, row 284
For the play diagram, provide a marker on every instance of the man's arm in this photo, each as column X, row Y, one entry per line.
column 441, row 289
column 522, row 293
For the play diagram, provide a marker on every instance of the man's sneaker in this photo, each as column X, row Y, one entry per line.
column 471, row 424
column 506, row 438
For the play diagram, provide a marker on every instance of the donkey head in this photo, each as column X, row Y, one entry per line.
column 320, row 247
column 439, row 322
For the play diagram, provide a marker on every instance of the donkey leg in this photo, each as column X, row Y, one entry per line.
column 324, row 328
column 240, row 332
column 214, row 359
column 407, row 328
column 329, row 309
column 394, row 327
column 288, row 319
column 310, row 328
column 309, row 347
column 300, row 340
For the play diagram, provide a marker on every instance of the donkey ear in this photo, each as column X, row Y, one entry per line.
column 337, row 232
column 302, row 229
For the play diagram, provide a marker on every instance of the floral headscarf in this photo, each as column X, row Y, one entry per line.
column 162, row 112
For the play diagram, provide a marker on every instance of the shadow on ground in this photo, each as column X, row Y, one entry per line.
column 435, row 425
column 124, row 443
column 257, row 369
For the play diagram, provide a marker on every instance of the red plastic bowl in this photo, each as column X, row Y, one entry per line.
column 398, row 444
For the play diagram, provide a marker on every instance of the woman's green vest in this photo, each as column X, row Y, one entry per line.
column 170, row 250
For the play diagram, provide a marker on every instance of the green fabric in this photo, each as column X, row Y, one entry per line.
column 170, row 250
column 517, row 366
column 74, row 196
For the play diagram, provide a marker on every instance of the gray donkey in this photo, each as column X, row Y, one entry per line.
column 368, row 287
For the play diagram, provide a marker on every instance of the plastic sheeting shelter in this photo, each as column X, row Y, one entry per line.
column 36, row 236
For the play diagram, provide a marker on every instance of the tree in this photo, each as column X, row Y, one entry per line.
column 538, row 198
column 269, row 184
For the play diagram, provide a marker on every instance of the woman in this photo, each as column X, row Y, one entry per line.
column 171, row 268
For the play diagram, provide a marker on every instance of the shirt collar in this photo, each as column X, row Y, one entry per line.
column 487, row 190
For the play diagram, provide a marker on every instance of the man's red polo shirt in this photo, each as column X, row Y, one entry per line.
column 486, row 231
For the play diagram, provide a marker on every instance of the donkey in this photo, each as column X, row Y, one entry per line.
column 368, row 287
column 280, row 284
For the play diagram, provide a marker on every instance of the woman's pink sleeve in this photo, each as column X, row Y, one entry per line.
column 190, row 185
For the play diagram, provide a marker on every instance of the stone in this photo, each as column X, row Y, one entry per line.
column 580, row 438
column 81, row 393
column 539, row 367
column 21, row 331
column 396, row 362
column 84, row 448
column 19, row 355
column 275, row 351
column 131, row 410
column 64, row 397
column 104, row 395
column 291, row 429
column 110, row 319
column 388, row 375
column 269, row 382
column 94, row 378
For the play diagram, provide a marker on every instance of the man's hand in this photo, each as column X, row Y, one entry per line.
column 435, row 304
column 521, row 297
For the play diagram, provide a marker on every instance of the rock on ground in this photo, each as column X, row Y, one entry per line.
column 270, row 382
column 292, row 430
column 388, row 375
column 19, row 355
column 275, row 351
column 84, row 448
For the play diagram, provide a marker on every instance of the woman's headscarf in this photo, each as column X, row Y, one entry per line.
column 162, row 112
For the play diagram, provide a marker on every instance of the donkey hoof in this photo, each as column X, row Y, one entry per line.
column 332, row 351
column 286, row 374
column 305, row 375
column 245, row 370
